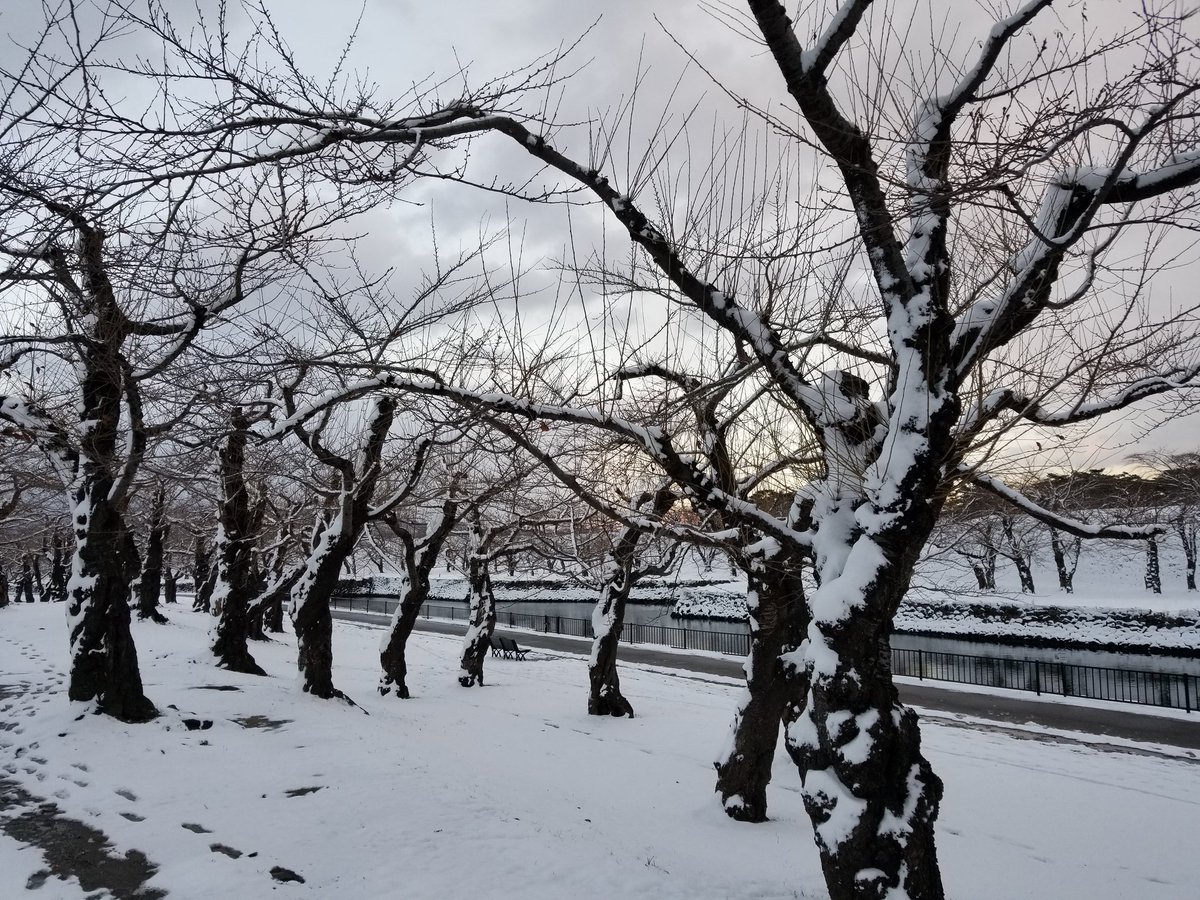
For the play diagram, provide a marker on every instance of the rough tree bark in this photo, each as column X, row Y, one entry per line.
column 1066, row 558
column 58, row 569
column 311, row 595
column 482, row 622
column 1187, row 537
column 25, row 585
column 775, row 690
column 1018, row 556
column 419, row 561
column 608, row 617
column 150, row 585
column 202, row 576
column 1153, row 578
column 236, row 534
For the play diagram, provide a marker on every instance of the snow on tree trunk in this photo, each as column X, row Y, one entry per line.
column 482, row 621
column 170, row 586
column 150, row 586
column 234, row 550
column 1187, row 536
column 311, row 595
column 1019, row 556
column 3, row 588
column 104, row 666
column 202, row 576
column 1066, row 558
column 1153, row 577
column 310, row 611
column 392, row 649
column 775, row 690
column 871, row 794
column 608, row 619
column 419, row 561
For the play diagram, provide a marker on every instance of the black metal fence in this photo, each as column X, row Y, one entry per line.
column 1171, row 689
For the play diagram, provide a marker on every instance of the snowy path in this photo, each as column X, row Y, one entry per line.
column 513, row 791
column 1124, row 722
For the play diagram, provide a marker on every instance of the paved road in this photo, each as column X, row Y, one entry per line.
column 1110, row 720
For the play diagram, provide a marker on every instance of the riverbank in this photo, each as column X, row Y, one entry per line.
column 705, row 603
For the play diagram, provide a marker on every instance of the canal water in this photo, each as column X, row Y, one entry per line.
column 660, row 614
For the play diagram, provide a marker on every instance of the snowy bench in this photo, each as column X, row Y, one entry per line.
column 507, row 648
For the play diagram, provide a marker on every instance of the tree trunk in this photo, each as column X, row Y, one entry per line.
column 775, row 689
column 234, row 549
column 1018, row 556
column 311, row 616
column 58, row 570
column 39, row 583
column 871, row 794
column 1153, row 578
column 25, row 586
column 608, row 619
column 482, row 624
column 150, row 586
column 202, row 577
column 419, row 561
column 104, row 665
column 1188, row 538
column 170, row 586
column 1066, row 559
column 3, row 588
column 392, row 658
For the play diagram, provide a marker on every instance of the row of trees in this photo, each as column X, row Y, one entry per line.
column 862, row 304
column 980, row 529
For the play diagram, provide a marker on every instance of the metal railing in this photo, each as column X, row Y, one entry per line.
column 1176, row 690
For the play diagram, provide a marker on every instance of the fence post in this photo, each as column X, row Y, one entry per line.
column 1037, row 677
column 921, row 665
column 1187, row 693
column 1062, row 674
column 558, row 625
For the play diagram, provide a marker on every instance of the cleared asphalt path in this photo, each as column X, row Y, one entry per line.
column 1111, row 720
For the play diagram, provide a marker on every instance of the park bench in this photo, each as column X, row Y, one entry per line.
column 507, row 648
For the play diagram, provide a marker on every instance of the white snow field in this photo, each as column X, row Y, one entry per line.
column 511, row 790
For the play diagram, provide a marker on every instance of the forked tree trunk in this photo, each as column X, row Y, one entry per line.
column 608, row 618
column 478, row 639
column 311, row 595
column 1153, row 577
column 1018, row 557
column 775, row 688
column 1066, row 558
column 234, row 550
column 150, row 585
column 419, row 561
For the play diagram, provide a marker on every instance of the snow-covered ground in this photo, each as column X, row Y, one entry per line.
column 511, row 790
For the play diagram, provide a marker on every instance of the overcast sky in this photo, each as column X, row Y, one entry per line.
column 401, row 42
